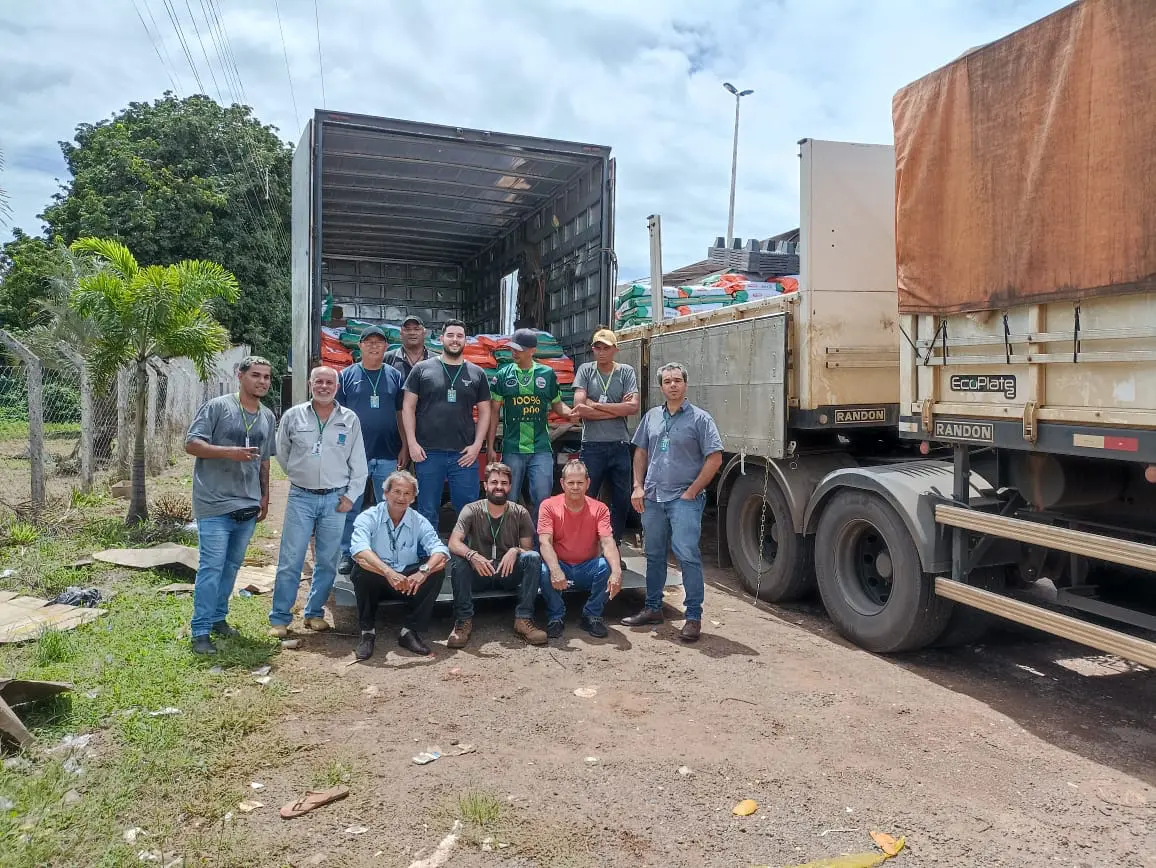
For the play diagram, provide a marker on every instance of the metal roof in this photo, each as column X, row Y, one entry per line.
column 396, row 189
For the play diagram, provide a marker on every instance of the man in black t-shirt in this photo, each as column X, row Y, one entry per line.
column 492, row 547
column 438, row 416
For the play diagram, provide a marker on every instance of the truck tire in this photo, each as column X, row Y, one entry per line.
column 787, row 573
column 967, row 625
column 870, row 578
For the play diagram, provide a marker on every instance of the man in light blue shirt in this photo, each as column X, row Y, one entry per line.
column 678, row 452
column 390, row 541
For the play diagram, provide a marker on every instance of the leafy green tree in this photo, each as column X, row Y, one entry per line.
column 179, row 179
column 28, row 268
column 141, row 312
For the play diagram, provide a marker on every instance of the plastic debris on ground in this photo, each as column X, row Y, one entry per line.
column 77, row 596
column 586, row 692
column 429, row 755
column 745, row 808
column 890, row 846
column 248, row 807
column 165, row 712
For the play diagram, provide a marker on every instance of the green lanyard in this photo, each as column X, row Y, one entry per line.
column 373, row 384
column 320, row 425
column 454, row 379
column 605, row 383
column 245, row 418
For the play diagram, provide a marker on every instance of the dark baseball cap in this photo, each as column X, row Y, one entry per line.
column 412, row 318
column 524, row 339
column 372, row 332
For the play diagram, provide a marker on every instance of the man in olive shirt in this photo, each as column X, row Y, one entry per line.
column 438, row 416
column 412, row 349
column 492, row 547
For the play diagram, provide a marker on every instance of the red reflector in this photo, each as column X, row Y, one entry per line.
column 1122, row 444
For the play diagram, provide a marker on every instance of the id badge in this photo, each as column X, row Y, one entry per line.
column 602, row 399
column 494, row 551
column 246, row 441
column 374, row 402
column 316, row 448
column 451, row 396
column 664, row 444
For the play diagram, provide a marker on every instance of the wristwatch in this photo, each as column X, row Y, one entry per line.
column 424, row 569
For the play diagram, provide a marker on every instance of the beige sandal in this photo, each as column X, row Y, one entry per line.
column 311, row 800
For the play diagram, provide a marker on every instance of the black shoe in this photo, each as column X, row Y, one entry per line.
column 223, row 628
column 203, row 645
column 412, row 642
column 364, row 648
column 555, row 629
column 346, row 566
column 594, row 626
column 646, row 616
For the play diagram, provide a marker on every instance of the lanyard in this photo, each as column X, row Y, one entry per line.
column 494, row 532
column 605, row 384
column 245, row 417
column 454, row 379
column 668, row 420
column 320, row 425
column 373, row 384
column 518, row 379
column 387, row 522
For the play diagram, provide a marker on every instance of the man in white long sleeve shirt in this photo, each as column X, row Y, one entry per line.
column 319, row 447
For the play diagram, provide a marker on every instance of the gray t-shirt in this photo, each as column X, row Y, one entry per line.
column 442, row 425
column 676, row 448
column 622, row 382
column 221, row 485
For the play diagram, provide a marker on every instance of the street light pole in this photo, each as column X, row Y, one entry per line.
column 738, row 94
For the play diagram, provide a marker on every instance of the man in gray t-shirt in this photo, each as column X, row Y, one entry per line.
column 232, row 440
column 605, row 394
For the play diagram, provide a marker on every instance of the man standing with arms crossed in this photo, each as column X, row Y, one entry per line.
column 605, row 395
column 319, row 446
column 232, row 440
column 373, row 391
column 523, row 394
column 573, row 529
column 493, row 547
column 412, row 349
column 678, row 453
column 438, row 416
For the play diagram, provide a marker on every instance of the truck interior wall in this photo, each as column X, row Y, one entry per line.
column 389, row 290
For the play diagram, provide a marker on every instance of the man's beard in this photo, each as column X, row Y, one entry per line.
column 497, row 498
column 452, row 354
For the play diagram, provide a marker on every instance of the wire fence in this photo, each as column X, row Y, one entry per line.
column 59, row 431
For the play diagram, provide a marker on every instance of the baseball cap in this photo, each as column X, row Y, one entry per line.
column 413, row 318
column 372, row 332
column 524, row 339
column 604, row 336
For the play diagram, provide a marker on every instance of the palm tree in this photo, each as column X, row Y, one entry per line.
column 139, row 313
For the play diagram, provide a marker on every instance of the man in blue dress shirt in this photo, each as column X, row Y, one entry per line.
column 390, row 541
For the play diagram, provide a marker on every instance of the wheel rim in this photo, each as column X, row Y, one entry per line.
column 864, row 566
column 769, row 548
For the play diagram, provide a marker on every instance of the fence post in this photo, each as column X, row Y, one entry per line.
column 35, row 416
column 124, row 380
column 87, row 417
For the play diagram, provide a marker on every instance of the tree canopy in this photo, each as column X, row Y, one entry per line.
column 176, row 179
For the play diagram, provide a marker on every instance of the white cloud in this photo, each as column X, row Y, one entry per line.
column 642, row 77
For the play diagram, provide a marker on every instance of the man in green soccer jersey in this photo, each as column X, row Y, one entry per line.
column 523, row 394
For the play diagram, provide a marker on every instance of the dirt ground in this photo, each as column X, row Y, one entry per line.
column 1025, row 751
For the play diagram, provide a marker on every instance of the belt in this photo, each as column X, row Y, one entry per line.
column 316, row 490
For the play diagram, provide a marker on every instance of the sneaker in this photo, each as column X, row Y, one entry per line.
column 364, row 648
column 555, row 629
column 346, row 566
column 222, row 628
column 203, row 645
column 460, row 635
column 317, row 625
column 525, row 628
column 595, row 627
column 279, row 632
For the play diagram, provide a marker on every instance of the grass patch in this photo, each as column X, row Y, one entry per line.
column 21, row 533
column 333, row 773
column 479, row 809
column 166, row 774
column 89, row 499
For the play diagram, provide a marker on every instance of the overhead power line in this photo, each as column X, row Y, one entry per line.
column 320, row 62
column 288, row 71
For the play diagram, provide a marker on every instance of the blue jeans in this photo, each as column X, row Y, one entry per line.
column 675, row 524
column 431, row 477
column 539, row 466
column 379, row 470
column 222, row 543
column 610, row 461
column 592, row 575
column 307, row 515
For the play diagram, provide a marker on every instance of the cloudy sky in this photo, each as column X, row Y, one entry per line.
column 642, row 76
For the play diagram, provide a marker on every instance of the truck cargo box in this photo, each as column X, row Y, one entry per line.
column 1026, row 169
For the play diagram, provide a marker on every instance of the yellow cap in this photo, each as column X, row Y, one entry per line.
column 604, row 336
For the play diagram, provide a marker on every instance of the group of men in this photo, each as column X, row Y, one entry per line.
column 437, row 413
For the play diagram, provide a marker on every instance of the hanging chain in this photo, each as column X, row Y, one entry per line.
column 762, row 531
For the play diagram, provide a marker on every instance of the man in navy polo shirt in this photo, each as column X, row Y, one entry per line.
column 372, row 390
column 678, row 453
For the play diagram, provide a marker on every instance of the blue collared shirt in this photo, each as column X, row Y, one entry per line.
column 356, row 389
column 398, row 546
column 692, row 435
